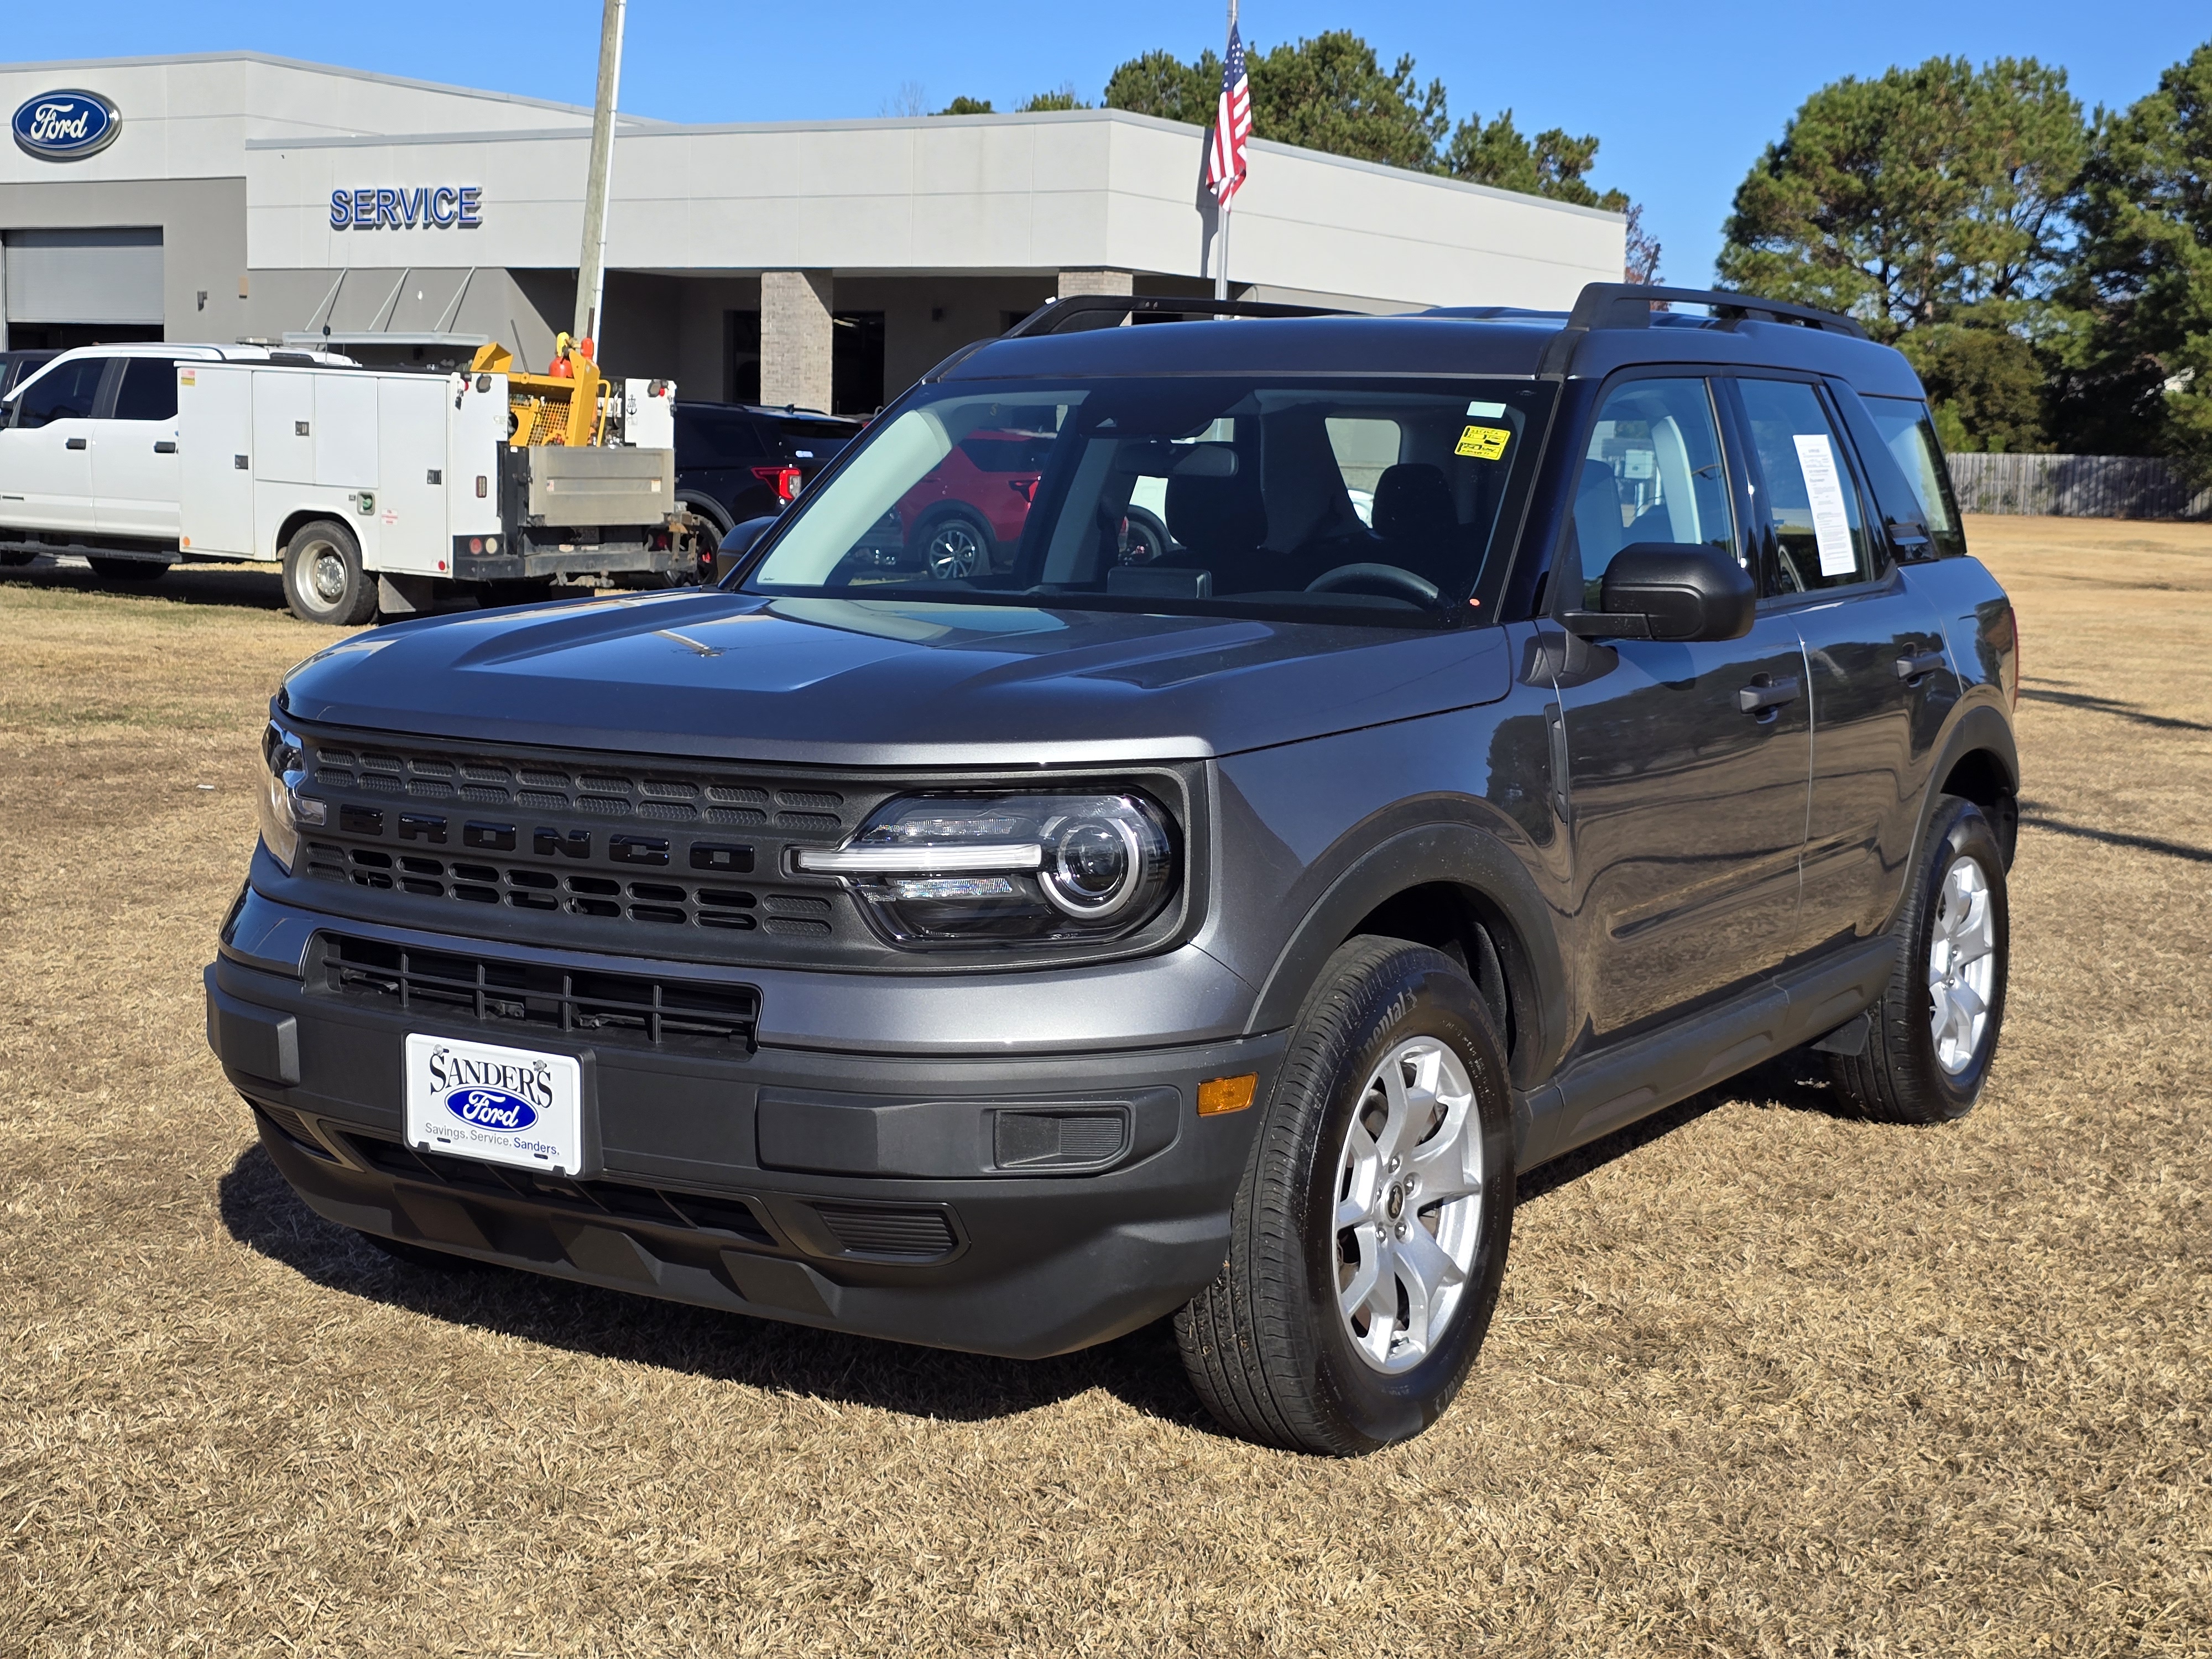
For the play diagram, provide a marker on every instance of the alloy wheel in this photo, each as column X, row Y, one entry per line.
column 1961, row 965
column 1408, row 1204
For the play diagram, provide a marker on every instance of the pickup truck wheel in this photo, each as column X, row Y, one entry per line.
column 324, row 582
column 1934, row 1031
column 1370, row 1232
column 127, row 570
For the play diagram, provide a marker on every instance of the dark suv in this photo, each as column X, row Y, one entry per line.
column 1535, row 719
column 739, row 461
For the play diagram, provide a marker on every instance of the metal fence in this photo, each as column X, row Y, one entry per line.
column 2076, row 487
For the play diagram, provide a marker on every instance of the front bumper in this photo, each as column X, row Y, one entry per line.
column 852, row 1190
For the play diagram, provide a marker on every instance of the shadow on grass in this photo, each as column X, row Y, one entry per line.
column 1795, row 1082
column 1141, row 1370
column 249, row 589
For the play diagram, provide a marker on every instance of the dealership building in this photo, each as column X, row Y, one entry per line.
column 828, row 263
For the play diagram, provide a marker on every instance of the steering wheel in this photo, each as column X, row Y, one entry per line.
column 1403, row 583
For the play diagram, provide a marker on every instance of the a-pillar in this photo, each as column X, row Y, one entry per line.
column 795, row 332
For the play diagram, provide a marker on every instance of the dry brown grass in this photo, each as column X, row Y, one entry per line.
column 1763, row 1381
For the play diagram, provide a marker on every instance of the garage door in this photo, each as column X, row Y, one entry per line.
column 84, row 276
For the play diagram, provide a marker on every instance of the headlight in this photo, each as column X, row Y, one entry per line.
column 283, row 769
column 985, row 869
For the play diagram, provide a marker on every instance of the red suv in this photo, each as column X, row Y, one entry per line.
column 969, row 510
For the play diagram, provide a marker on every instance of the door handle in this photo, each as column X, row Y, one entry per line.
column 1763, row 700
column 164, row 446
column 73, row 443
column 1911, row 667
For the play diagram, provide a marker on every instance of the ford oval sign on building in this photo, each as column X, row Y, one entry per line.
column 65, row 126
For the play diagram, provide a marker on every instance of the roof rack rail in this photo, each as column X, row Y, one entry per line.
column 1053, row 314
column 1628, row 305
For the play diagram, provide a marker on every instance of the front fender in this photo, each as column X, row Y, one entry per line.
column 1466, row 856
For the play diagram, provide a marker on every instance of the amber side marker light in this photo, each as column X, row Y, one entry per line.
column 1226, row 1094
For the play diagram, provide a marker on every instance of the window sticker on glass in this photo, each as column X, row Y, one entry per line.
column 1637, row 463
column 1486, row 411
column 1832, row 526
column 1482, row 443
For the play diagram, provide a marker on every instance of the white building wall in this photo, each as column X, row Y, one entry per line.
column 1088, row 188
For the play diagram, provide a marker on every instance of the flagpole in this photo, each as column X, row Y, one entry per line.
column 1221, row 236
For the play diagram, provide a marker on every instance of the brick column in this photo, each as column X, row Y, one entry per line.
column 795, row 337
column 1116, row 283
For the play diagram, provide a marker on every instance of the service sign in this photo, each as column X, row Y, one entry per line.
column 439, row 206
column 65, row 126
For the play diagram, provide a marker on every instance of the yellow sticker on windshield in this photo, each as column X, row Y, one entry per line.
column 1484, row 443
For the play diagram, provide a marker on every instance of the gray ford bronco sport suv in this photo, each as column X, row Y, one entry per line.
column 1531, row 720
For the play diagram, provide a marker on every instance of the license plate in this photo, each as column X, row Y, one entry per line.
column 501, row 1105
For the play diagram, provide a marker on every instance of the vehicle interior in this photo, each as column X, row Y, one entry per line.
column 1377, row 496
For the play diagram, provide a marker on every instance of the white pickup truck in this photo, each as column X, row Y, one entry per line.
column 374, row 489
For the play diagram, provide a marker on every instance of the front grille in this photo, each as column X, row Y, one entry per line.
column 607, row 854
column 617, row 1199
column 911, row 1235
column 632, row 1009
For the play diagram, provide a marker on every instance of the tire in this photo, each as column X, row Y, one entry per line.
column 128, row 570
column 1149, row 541
column 955, row 545
column 1926, row 1058
column 324, row 582
column 1268, row 1346
column 417, row 1256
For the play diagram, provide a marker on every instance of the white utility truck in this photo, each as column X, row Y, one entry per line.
column 377, row 489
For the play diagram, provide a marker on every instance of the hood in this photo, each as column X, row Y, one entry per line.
column 886, row 682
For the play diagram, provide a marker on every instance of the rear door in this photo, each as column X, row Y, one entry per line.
column 46, row 451
column 1687, row 806
column 1877, row 672
column 135, row 473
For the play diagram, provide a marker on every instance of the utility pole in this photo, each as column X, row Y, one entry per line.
column 592, row 262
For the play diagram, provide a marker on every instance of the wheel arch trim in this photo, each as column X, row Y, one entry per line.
column 1506, row 900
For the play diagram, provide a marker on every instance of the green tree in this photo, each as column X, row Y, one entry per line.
column 1331, row 92
column 1932, row 204
column 1061, row 98
column 1160, row 83
column 2137, row 377
column 964, row 104
column 1912, row 199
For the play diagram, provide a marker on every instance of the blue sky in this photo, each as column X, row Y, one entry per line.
column 1682, row 97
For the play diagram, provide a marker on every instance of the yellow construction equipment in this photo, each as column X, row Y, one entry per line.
column 566, row 409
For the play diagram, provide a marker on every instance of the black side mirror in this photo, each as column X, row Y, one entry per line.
column 738, row 543
column 1670, row 590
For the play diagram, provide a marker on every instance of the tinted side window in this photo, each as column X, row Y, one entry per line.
column 1807, row 493
column 1652, row 472
column 708, row 441
column 149, row 390
column 1911, row 436
column 62, row 393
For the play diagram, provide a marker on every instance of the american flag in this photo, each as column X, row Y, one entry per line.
column 1232, row 124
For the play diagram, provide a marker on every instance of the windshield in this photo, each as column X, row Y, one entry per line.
column 1345, row 501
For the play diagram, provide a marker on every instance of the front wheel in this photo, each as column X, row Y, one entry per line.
column 1934, row 1031
column 956, row 547
column 1369, row 1233
column 324, row 582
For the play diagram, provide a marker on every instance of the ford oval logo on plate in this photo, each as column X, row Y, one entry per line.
column 492, row 1108
column 65, row 126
